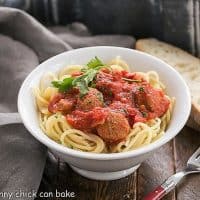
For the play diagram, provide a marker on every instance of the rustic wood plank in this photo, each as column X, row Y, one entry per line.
column 85, row 189
column 155, row 170
column 50, row 177
column 186, row 143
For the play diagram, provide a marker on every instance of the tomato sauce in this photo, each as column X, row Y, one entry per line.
column 124, row 92
column 63, row 102
column 139, row 100
column 87, row 120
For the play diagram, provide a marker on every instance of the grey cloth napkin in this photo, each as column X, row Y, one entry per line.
column 77, row 35
column 24, row 43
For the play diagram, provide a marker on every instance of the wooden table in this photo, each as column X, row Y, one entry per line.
column 167, row 160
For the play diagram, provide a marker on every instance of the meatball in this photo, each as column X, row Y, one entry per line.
column 92, row 99
column 149, row 99
column 62, row 102
column 114, row 129
column 65, row 105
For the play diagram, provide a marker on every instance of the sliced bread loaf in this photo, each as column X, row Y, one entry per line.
column 185, row 63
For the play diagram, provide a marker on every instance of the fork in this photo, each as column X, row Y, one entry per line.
column 193, row 166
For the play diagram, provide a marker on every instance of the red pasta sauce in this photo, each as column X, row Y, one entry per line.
column 127, row 94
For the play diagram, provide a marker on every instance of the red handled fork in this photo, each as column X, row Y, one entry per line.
column 193, row 166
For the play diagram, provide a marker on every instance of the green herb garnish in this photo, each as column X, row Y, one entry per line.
column 100, row 96
column 110, row 94
column 124, row 110
column 144, row 114
column 95, row 62
column 70, row 146
column 141, row 89
column 63, row 85
column 93, row 85
column 131, row 80
column 83, row 81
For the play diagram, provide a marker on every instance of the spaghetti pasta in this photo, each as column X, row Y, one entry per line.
column 56, row 127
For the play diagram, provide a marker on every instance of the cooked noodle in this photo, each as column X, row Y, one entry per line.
column 55, row 126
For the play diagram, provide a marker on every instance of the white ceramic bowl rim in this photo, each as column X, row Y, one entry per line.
column 103, row 156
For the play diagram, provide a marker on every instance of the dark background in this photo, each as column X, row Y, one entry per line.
column 174, row 21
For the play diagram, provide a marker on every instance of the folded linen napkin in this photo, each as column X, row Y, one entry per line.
column 24, row 43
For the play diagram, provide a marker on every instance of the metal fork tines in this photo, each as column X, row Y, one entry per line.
column 194, row 161
column 193, row 166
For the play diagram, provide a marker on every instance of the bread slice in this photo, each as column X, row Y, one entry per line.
column 183, row 62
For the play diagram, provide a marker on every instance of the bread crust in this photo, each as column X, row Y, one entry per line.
column 147, row 45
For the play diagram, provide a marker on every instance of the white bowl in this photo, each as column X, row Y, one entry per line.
column 114, row 165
